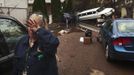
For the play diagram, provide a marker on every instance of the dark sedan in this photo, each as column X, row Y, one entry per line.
column 10, row 31
column 117, row 36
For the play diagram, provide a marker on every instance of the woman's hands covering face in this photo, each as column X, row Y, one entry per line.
column 33, row 26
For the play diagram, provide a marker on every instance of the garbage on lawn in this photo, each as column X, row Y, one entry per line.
column 86, row 40
column 62, row 32
column 88, row 33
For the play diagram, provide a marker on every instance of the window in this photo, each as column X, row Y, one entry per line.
column 79, row 15
column 94, row 12
column 83, row 14
column 125, row 26
column 89, row 13
column 100, row 9
column 11, row 31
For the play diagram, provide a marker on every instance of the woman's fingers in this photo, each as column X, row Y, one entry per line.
column 35, row 23
column 32, row 23
column 29, row 23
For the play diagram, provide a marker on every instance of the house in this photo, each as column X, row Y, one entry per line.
column 14, row 8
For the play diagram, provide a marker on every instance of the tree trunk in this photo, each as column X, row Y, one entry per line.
column 56, row 10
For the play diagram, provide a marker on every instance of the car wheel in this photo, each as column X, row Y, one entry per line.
column 103, row 16
column 107, row 54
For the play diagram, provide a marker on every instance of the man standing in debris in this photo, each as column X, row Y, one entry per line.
column 67, row 19
column 35, row 52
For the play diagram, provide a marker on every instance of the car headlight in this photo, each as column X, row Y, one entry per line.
column 113, row 10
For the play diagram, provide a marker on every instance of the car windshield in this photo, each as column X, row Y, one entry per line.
column 125, row 26
column 100, row 9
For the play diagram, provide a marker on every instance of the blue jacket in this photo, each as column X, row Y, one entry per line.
column 46, row 65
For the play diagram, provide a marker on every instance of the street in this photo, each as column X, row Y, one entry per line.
column 79, row 59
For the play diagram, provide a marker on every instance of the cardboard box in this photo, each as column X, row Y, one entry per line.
column 86, row 40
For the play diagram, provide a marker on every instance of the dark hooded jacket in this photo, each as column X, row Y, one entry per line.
column 34, row 62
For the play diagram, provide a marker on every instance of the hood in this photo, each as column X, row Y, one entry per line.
column 106, row 10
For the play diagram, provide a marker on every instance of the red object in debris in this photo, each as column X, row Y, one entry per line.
column 87, row 40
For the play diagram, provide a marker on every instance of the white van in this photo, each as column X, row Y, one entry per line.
column 95, row 13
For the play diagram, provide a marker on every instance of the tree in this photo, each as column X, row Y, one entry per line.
column 129, row 8
column 68, row 6
column 40, row 6
column 80, row 5
column 56, row 10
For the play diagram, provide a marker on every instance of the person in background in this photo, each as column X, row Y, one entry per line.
column 35, row 51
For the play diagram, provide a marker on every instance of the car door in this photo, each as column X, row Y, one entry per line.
column 102, row 33
column 92, row 15
column 95, row 14
column 107, row 32
column 11, row 30
column 3, row 46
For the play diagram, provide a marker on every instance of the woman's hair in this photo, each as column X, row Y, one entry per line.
column 35, row 16
column 39, row 16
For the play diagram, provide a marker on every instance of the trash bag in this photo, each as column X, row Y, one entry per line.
column 88, row 33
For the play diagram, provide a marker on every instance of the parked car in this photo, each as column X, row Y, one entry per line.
column 117, row 37
column 10, row 31
column 95, row 13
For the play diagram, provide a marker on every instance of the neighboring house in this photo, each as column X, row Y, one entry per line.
column 15, row 8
